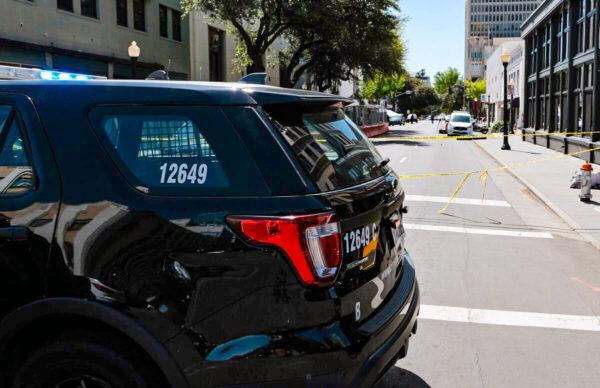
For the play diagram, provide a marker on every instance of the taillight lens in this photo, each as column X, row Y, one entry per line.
column 311, row 242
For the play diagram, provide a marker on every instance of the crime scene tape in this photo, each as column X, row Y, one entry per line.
column 484, row 174
column 474, row 137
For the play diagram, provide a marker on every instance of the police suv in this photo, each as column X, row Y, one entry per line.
column 185, row 234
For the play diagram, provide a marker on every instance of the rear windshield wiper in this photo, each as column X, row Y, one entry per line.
column 384, row 162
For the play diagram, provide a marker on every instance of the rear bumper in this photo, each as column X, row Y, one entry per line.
column 335, row 355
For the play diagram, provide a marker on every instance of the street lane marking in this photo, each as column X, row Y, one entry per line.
column 403, row 160
column 464, row 201
column 510, row 318
column 489, row 232
column 597, row 209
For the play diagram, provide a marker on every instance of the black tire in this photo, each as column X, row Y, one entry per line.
column 99, row 364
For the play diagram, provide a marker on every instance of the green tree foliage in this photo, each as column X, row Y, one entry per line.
column 421, row 74
column 381, row 85
column 422, row 99
column 343, row 37
column 329, row 39
column 445, row 80
column 258, row 23
column 474, row 89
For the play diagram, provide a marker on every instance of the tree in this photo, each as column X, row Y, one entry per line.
column 328, row 39
column 421, row 74
column 381, row 85
column 257, row 22
column 343, row 37
column 422, row 99
column 445, row 80
column 474, row 89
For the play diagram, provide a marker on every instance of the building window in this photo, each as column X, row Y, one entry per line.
column 89, row 8
column 215, row 54
column 139, row 15
column 122, row 13
column 162, row 20
column 176, row 24
column 65, row 5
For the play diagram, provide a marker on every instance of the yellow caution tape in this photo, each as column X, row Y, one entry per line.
column 475, row 137
column 484, row 174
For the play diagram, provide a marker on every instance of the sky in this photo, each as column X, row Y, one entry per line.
column 434, row 34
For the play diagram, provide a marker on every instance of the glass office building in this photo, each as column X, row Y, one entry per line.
column 488, row 23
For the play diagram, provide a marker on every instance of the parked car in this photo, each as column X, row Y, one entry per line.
column 395, row 118
column 186, row 234
column 460, row 123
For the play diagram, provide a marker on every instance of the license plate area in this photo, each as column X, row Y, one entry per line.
column 360, row 246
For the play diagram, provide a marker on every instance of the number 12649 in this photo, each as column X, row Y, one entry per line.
column 176, row 173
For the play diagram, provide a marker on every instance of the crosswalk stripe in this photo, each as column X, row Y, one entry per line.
column 463, row 201
column 489, row 232
column 510, row 318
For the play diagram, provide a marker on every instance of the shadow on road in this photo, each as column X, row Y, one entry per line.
column 401, row 378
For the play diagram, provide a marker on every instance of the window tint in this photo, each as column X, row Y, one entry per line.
column 16, row 174
column 329, row 145
column 176, row 152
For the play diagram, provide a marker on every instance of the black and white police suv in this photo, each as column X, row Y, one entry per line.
column 186, row 234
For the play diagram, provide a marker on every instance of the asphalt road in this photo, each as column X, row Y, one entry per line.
column 510, row 295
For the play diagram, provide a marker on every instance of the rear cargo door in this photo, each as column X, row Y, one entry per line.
column 355, row 180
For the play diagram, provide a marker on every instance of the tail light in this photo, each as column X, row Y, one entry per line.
column 311, row 242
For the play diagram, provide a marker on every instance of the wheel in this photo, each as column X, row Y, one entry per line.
column 79, row 363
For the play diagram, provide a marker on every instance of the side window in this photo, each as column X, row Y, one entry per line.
column 177, row 151
column 16, row 173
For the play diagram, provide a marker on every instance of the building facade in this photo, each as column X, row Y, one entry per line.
column 487, row 22
column 92, row 36
column 562, row 87
column 515, row 81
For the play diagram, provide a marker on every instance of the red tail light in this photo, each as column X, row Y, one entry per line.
column 311, row 242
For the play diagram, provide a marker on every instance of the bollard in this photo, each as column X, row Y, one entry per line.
column 586, row 183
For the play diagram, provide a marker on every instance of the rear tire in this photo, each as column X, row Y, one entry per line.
column 73, row 363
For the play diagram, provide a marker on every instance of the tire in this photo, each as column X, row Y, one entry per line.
column 99, row 364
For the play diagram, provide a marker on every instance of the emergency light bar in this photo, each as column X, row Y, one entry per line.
column 21, row 73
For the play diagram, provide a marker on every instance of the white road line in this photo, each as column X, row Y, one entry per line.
column 510, row 318
column 597, row 209
column 489, row 232
column 403, row 160
column 462, row 201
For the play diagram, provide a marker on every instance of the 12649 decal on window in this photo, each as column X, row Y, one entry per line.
column 175, row 173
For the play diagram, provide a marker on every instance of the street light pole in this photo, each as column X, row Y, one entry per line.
column 511, row 90
column 505, row 57
column 134, row 52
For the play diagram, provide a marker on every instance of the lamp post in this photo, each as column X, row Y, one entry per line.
column 505, row 58
column 511, row 91
column 134, row 52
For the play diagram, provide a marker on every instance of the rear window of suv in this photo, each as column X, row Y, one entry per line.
column 178, row 151
column 329, row 146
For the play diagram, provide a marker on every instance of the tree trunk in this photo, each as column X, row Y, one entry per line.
column 257, row 65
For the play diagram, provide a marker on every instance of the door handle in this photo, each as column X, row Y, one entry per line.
column 14, row 233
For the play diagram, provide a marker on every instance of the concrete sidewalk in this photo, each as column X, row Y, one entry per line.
column 549, row 181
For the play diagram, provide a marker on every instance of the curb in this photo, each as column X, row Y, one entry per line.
column 555, row 208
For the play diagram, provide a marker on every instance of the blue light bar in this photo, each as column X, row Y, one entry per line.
column 58, row 75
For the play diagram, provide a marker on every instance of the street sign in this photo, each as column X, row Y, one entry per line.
column 484, row 98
